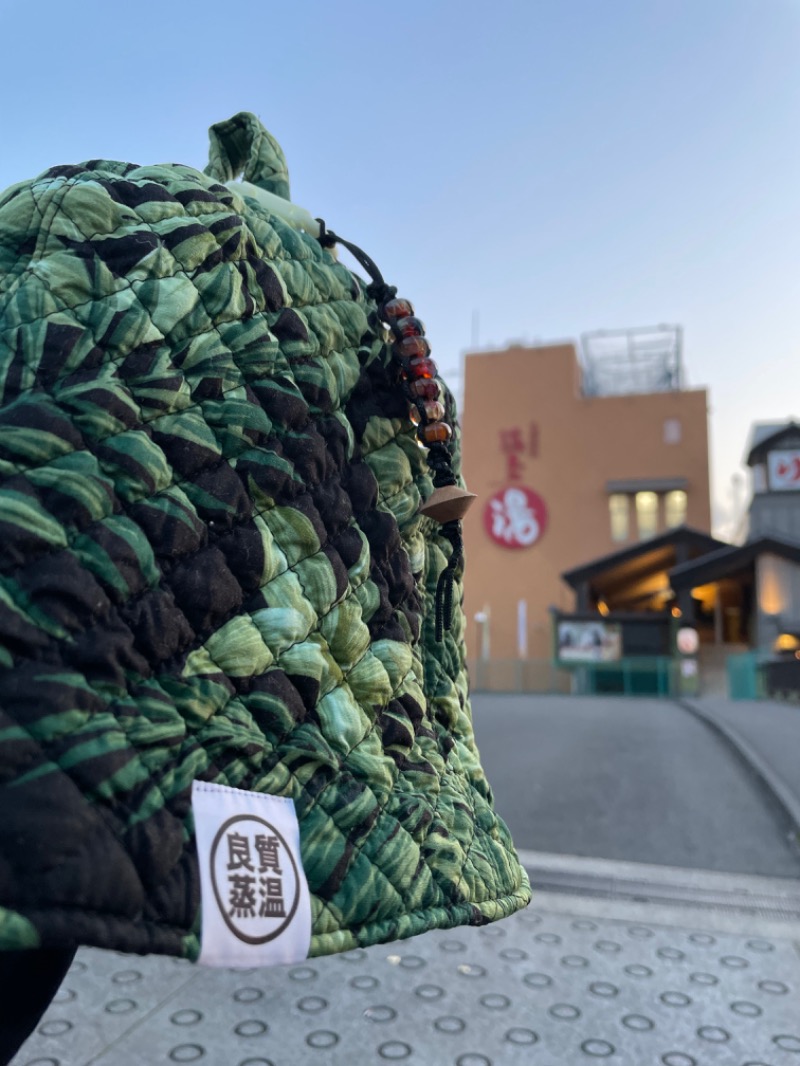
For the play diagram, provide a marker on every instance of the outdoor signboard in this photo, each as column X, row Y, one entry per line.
column 515, row 517
column 687, row 640
column 784, row 470
column 588, row 642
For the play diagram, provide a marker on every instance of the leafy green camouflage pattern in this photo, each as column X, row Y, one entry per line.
column 212, row 567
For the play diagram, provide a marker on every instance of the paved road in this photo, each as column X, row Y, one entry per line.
column 640, row 780
column 772, row 727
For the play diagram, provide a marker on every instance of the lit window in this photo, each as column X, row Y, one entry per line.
column 646, row 514
column 672, row 431
column 675, row 508
column 618, row 512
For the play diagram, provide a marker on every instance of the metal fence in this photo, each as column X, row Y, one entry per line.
column 518, row 675
column 632, row 676
column 752, row 676
column 746, row 675
column 781, row 678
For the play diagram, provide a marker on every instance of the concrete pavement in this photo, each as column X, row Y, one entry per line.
column 572, row 980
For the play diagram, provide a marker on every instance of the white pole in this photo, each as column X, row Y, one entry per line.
column 522, row 629
column 482, row 621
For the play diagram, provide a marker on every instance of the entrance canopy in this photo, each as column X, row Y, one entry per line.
column 731, row 561
column 767, row 568
column 637, row 578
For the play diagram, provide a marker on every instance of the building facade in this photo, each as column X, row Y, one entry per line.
column 566, row 471
column 773, row 455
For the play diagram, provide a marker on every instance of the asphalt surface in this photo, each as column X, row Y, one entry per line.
column 637, row 780
column 772, row 727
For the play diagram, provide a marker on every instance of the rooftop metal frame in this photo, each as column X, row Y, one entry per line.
column 625, row 362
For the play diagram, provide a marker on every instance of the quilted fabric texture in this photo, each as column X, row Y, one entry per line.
column 212, row 567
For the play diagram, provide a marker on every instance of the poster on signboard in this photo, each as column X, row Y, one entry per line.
column 589, row 642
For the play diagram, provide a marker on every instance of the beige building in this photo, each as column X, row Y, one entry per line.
column 565, row 473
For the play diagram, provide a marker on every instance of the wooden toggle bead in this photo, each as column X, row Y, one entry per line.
column 433, row 432
column 412, row 348
column 409, row 327
column 425, row 389
column 421, row 368
column 396, row 308
column 447, row 504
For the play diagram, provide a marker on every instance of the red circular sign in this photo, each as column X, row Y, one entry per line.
column 687, row 640
column 515, row 517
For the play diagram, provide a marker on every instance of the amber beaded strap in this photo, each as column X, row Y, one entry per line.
column 448, row 503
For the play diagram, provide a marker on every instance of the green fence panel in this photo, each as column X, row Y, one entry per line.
column 630, row 676
column 744, row 676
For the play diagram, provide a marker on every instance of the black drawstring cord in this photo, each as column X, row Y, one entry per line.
column 439, row 459
column 447, row 578
column 440, row 464
column 378, row 290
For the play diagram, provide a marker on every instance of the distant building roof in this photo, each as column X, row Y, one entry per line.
column 658, row 551
column 729, row 560
column 764, row 435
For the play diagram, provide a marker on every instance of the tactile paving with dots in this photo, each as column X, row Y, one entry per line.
column 543, row 987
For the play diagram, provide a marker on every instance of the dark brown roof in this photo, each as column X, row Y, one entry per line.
column 731, row 560
column 790, row 431
column 657, row 551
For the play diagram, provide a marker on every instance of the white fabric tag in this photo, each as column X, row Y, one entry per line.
column 256, row 909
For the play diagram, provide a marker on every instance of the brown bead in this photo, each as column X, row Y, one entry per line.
column 434, row 412
column 425, row 389
column 421, row 368
column 396, row 309
column 412, row 348
column 409, row 327
column 433, row 432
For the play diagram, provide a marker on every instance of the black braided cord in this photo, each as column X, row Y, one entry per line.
column 440, row 459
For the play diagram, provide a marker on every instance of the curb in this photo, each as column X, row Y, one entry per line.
column 770, row 781
column 679, row 896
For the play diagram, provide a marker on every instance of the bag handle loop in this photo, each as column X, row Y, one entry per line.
column 241, row 145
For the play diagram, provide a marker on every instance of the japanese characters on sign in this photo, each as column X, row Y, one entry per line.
column 515, row 444
column 255, row 903
column 784, row 470
column 255, row 879
column 516, row 516
column 242, row 887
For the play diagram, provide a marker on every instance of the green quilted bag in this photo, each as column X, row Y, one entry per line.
column 214, row 569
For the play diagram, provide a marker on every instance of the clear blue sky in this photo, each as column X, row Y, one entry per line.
column 560, row 166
